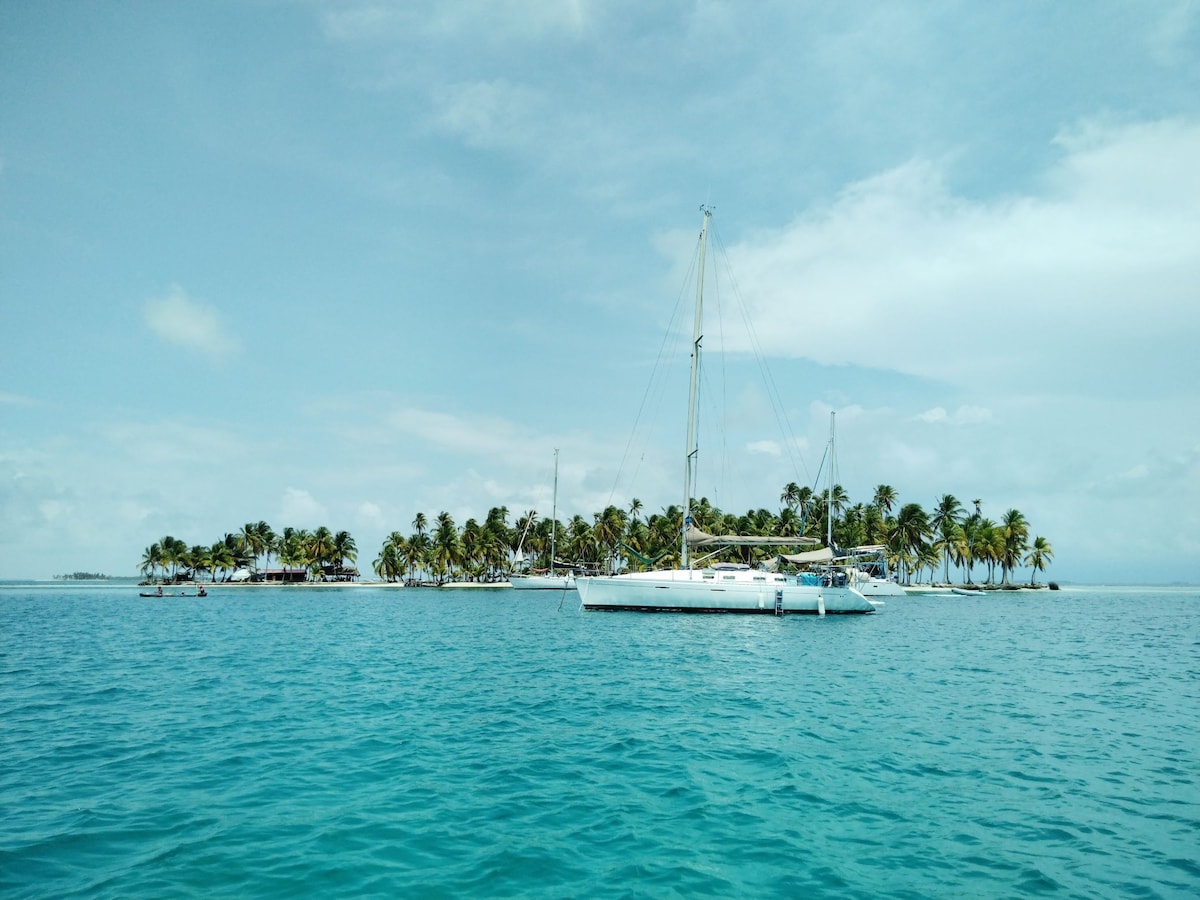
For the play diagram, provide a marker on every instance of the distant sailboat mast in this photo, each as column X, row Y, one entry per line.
column 554, row 512
column 829, row 487
column 697, row 334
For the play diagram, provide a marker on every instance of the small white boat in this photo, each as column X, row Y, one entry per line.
column 868, row 570
column 551, row 580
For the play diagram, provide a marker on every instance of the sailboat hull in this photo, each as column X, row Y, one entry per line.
column 708, row 591
column 878, row 587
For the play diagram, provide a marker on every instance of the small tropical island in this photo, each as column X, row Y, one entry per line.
column 942, row 546
column 83, row 576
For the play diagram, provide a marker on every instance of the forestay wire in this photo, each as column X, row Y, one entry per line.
column 777, row 406
column 655, row 382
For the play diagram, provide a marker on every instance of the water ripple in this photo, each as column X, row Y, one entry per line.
column 373, row 743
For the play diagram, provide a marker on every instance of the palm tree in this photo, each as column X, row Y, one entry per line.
column 875, row 525
column 790, row 496
column 344, row 550
column 493, row 551
column 497, row 523
column 579, row 541
column 854, row 526
column 635, row 508
column 838, row 499
column 788, row 523
column 152, row 560
column 200, row 560
column 945, row 525
column 258, row 540
column 447, row 550
column 1040, row 553
column 294, row 548
column 470, row 540
column 173, row 552
column 928, row 557
column 608, row 531
column 320, row 550
column 389, row 564
column 1015, row 534
column 221, row 557
column 910, row 533
column 989, row 545
column 885, row 498
column 251, row 539
column 416, row 553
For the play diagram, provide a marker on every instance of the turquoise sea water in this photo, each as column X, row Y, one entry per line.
column 374, row 742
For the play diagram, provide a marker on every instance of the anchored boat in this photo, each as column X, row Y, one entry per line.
column 719, row 588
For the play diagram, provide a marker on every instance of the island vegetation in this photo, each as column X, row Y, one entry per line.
column 922, row 545
column 83, row 576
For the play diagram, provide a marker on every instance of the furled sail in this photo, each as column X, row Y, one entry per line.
column 698, row 538
column 810, row 556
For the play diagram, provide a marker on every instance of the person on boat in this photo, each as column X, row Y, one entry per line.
column 159, row 591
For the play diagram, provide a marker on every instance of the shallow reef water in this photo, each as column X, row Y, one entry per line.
column 372, row 741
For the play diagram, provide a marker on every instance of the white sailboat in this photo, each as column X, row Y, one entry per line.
column 868, row 570
column 551, row 581
column 866, row 567
column 721, row 588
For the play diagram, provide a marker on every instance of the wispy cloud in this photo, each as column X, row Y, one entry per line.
column 964, row 415
column 178, row 318
column 477, row 434
column 498, row 20
column 486, row 114
column 298, row 507
column 7, row 399
column 767, row 448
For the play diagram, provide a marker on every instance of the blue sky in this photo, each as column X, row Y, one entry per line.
column 337, row 263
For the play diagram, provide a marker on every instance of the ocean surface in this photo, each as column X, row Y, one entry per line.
column 373, row 742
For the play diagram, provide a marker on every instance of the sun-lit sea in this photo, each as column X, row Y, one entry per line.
column 373, row 742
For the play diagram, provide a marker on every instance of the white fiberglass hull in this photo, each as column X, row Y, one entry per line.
column 878, row 587
column 543, row 582
column 708, row 591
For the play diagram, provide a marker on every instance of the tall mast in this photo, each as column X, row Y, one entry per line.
column 829, row 487
column 554, row 511
column 697, row 334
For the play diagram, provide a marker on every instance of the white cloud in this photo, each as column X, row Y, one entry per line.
column 1096, row 266
column 768, row 448
column 7, row 399
column 299, row 509
column 964, row 415
column 370, row 515
column 189, row 323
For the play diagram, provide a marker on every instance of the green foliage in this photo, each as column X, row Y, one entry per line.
column 620, row 540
